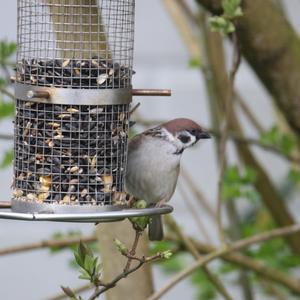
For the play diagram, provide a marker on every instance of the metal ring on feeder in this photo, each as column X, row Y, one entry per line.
column 81, row 216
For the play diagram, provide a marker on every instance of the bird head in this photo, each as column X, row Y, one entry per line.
column 184, row 133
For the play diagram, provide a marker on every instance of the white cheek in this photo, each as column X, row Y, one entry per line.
column 191, row 142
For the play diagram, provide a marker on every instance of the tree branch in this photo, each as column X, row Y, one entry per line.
column 246, row 262
column 66, row 242
column 259, row 238
column 275, row 58
column 225, row 132
column 4, row 136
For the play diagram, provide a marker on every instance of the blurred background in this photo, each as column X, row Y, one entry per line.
column 166, row 56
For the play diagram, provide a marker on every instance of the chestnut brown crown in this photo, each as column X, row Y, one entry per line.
column 182, row 124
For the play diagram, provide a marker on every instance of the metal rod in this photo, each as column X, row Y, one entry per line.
column 38, row 94
column 5, row 204
column 151, row 92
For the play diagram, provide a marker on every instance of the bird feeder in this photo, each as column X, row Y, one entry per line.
column 73, row 93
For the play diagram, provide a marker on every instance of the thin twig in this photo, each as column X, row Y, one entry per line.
column 192, row 209
column 7, row 93
column 76, row 291
column 132, row 252
column 47, row 244
column 197, row 192
column 225, row 131
column 189, row 37
column 248, row 113
column 223, row 250
column 113, row 283
column 4, row 136
column 134, row 108
column 255, row 142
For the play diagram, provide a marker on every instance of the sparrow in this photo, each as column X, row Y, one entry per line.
column 153, row 164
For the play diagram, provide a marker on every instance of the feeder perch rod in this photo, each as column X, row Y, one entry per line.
column 5, row 204
column 38, row 94
column 151, row 92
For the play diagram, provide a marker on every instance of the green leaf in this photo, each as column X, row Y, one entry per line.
column 7, row 159
column 226, row 268
column 120, row 246
column 140, row 223
column 230, row 191
column 232, row 8
column 175, row 264
column 294, row 175
column 285, row 142
column 195, row 63
column 162, row 246
column 89, row 265
column 251, row 195
column 84, row 275
column 7, row 109
column 78, row 259
column 250, row 175
column 84, row 250
column 222, row 25
column 7, row 49
column 205, row 289
column 68, row 292
column 167, row 254
column 232, row 174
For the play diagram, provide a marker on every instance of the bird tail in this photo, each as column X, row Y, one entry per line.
column 155, row 231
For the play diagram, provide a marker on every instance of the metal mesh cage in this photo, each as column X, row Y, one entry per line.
column 75, row 43
column 73, row 89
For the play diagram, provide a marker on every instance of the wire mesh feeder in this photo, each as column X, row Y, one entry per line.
column 73, row 91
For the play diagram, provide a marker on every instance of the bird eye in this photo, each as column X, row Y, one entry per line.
column 184, row 138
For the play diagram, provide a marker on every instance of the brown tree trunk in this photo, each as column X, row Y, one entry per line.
column 270, row 196
column 138, row 285
column 77, row 25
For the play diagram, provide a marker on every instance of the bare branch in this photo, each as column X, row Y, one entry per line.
column 112, row 284
column 6, row 92
column 47, row 244
column 4, row 136
column 132, row 252
column 76, row 291
column 225, row 132
column 259, row 267
column 259, row 238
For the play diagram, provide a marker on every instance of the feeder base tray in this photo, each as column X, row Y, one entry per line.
column 104, row 215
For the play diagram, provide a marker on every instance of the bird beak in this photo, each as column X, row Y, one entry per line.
column 203, row 135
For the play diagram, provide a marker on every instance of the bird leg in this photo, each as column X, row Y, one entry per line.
column 161, row 203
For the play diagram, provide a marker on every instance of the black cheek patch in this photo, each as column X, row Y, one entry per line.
column 184, row 138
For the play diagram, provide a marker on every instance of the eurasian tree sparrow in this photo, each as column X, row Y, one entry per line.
column 154, row 163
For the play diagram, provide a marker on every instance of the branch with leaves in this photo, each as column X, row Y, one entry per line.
column 90, row 268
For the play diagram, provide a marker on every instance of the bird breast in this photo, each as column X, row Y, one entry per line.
column 152, row 169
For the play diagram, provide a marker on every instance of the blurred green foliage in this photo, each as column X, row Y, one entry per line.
column 239, row 184
column 284, row 142
column 224, row 23
column 7, row 106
